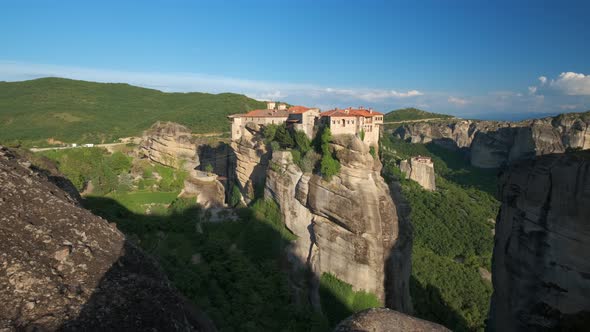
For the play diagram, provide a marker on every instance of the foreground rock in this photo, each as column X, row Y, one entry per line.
column 421, row 170
column 386, row 320
column 61, row 267
column 349, row 226
column 492, row 144
column 541, row 266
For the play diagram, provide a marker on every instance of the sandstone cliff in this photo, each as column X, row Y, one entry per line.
column 492, row 144
column 63, row 268
column 541, row 267
column 421, row 170
column 385, row 320
column 251, row 161
column 348, row 227
column 172, row 145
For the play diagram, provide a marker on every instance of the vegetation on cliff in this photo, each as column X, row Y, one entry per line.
column 453, row 237
column 87, row 112
column 406, row 114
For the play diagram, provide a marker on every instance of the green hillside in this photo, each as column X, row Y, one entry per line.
column 89, row 112
column 412, row 114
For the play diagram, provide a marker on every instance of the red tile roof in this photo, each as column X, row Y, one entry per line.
column 351, row 112
column 298, row 109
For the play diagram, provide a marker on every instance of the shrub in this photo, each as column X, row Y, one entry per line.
column 269, row 132
column 329, row 167
column 301, row 141
column 274, row 146
column 236, row 196
column 340, row 301
column 309, row 161
column 283, row 137
column 362, row 135
column 373, row 152
column 296, row 154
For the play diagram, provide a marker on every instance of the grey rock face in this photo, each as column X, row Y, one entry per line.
column 541, row 267
column 348, row 227
column 61, row 267
column 421, row 170
column 386, row 320
column 492, row 144
column 172, row 145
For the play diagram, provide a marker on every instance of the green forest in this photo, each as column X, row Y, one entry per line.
column 87, row 112
column 453, row 237
column 411, row 113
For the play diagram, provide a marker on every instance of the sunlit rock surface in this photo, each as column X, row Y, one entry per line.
column 492, row 144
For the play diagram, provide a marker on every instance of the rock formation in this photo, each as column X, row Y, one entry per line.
column 251, row 161
column 421, row 170
column 61, row 267
column 172, row 145
column 541, row 267
column 492, row 144
column 386, row 320
column 348, row 227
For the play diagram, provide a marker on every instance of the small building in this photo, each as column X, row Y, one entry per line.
column 304, row 119
column 74, row 145
column 354, row 121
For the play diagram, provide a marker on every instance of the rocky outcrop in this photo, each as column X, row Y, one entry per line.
column 386, row 320
column 349, row 226
column 492, row 144
column 421, row 170
column 170, row 144
column 251, row 161
column 61, row 267
column 541, row 269
column 209, row 192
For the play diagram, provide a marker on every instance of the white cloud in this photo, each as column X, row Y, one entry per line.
column 573, row 84
column 542, row 79
column 532, row 90
column 373, row 95
column 186, row 82
column 457, row 101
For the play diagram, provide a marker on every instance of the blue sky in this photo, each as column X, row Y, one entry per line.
column 470, row 58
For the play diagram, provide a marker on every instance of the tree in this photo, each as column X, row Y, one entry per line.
column 283, row 137
column 303, row 143
column 209, row 169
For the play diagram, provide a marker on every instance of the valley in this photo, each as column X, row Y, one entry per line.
column 280, row 228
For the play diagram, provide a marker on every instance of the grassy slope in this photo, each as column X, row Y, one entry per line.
column 80, row 111
column 412, row 114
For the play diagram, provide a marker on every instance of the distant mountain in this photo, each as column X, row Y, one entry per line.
column 79, row 111
column 412, row 114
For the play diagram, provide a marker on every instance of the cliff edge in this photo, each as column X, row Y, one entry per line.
column 492, row 144
column 348, row 226
column 541, row 267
